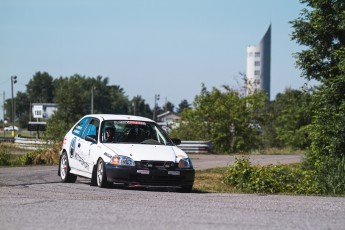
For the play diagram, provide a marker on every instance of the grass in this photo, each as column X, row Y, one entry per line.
column 210, row 181
column 277, row 151
column 20, row 133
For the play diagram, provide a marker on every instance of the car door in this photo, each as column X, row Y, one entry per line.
column 74, row 151
column 87, row 148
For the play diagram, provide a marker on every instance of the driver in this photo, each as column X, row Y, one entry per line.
column 109, row 134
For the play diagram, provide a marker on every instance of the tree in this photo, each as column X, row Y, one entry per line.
column 183, row 105
column 232, row 123
column 40, row 88
column 23, row 109
column 169, row 106
column 292, row 118
column 119, row 102
column 321, row 29
column 73, row 96
column 140, row 107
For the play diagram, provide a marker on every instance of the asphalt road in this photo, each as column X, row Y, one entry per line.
column 33, row 198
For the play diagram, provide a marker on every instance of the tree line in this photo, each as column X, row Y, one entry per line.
column 73, row 98
column 231, row 121
column 234, row 123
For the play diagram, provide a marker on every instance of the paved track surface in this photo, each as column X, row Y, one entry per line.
column 33, row 198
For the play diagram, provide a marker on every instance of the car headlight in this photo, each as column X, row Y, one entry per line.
column 122, row 160
column 185, row 163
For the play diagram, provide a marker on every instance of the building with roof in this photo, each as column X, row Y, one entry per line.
column 259, row 65
column 168, row 120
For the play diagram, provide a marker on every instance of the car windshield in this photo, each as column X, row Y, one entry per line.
column 138, row 132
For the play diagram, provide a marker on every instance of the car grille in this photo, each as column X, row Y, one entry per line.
column 156, row 164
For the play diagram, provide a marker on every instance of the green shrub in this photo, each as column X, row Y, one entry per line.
column 5, row 155
column 238, row 174
column 38, row 157
column 29, row 158
column 271, row 178
column 11, row 155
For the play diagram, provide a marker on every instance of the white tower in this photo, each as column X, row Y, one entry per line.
column 259, row 65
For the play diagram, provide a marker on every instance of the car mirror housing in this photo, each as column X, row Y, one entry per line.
column 91, row 138
column 176, row 141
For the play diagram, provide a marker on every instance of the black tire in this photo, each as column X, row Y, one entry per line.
column 101, row 176
column 65, row 174
column 94, row 176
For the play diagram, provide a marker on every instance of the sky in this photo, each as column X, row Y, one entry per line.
column 147, row 47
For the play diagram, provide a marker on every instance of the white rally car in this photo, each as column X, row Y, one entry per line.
column 124, row 149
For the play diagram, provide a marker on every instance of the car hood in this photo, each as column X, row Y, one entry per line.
column 140, row 152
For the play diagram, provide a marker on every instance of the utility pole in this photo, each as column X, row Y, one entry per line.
column 155, row 106
column 3, row 110
column 133, row 105
column 92, row 89
column 13, row 81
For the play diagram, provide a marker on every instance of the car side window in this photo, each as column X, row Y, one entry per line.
column 79, row 128
column 92, row 129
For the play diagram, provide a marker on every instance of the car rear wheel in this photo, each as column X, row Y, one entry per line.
column 65, row 174
column 101, row 175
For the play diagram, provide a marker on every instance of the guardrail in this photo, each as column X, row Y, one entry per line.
column 196, row 146
column 33, row 144
column 29, row 143
column 7, row 139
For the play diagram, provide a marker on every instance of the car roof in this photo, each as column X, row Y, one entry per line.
column 119, row 117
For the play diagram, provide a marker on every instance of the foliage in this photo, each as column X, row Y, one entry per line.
column 38, row 157
column 5, row 155
column 140, row 107
column 328, row 135
column 230, row 122
column 168, row 106
column 56, row 130
column 292, row 117
column 183, row 105
column 22, row 109
column 22, row 104
column 270, row 179
column 321, row 29
column 10, row 155
column 73, row 97
column 40, row 88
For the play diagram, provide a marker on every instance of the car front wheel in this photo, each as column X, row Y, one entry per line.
column 65, row 175
column 101, row 175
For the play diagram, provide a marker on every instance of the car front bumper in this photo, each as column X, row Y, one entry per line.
column 133, row 175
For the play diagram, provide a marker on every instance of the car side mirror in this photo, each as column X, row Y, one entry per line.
column 91, row 138
column 176, row 141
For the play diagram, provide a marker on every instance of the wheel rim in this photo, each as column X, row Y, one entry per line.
column 100, row 172
column 63, row 167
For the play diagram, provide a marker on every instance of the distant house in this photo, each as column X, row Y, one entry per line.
column 168, row 120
